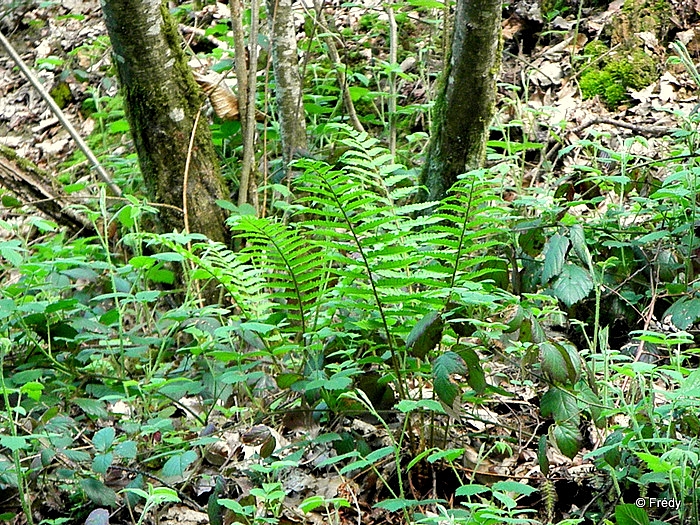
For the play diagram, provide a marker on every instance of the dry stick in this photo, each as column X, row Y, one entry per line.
column 249, row 115
column 340, row 69
column 101, row 172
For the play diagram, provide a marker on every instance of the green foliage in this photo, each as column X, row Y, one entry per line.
column 610, row 76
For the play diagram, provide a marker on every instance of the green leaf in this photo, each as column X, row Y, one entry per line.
column 409, row 405
column 103, row 439
column 443, row 367
column 513, row 486
column 176, row 466
column 567, row 437
column 558, row 404
column 476, row 376
column 573, row 284
column 127, row 449
column 14, row 443
column 102, row 462
column 560, row 363
column 630, row 514
column 554, row 257
column 684, row 313
column 426, row 334
column 578, row 242
column 393, row 505
column 471, row 490
column 98, row 492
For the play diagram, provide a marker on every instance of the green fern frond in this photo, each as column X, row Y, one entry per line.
column 296, row 272
column 212, row 260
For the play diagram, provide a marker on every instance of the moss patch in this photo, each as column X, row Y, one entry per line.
column 611, row 77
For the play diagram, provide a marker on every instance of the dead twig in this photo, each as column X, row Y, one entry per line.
column 101, row 172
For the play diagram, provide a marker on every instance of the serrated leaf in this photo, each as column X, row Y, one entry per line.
column 443, row 367
column 567, row 437
column 560, row 364
column 102, row 462
column 103, row 439
column 573, row 284
column 554, row 257
column 426, row 335
column 558, row 404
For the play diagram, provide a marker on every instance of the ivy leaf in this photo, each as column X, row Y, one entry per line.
column 573, row 284
column 425, row 335
column 554, row 257
column 443, row 367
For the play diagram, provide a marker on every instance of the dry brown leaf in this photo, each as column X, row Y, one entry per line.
column 223, row 100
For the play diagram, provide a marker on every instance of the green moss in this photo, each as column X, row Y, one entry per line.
column 595, row 49
column 610, row 79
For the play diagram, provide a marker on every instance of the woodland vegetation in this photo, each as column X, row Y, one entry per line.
column 258, row 265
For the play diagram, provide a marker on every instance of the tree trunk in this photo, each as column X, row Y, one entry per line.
column 162, row 103
column 465, row 104
column 288, row 82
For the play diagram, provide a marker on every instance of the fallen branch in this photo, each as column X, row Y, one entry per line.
column 101, row 172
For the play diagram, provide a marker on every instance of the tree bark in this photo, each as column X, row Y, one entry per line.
column 162, row 103
column 285, row 64
column 465, row 104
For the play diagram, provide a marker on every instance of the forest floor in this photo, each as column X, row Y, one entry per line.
column 540, row 98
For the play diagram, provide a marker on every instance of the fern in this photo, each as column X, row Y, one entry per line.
column 296, row 274
column 212, row 260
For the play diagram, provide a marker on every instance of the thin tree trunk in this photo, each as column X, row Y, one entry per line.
column 465, row 104
column 285, row 64
column 162, row 103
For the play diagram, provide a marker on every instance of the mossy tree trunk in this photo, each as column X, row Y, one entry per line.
column 162, row 102
column 465, row 104
column 285, row 63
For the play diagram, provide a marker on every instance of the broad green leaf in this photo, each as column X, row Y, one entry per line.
column 98, row 492
column 444, row 366
column 513, row 486
column 103, row 439
column 471, row 490
column 176, row 466
column 567, row 437
column 102, row 462
column 560, row 363
column 578, row 242
column 14, row 442
column 476, row 376
column 684, row 313
column 630, row 514
column 573, row 284
column 127, row 449
column 396, row 504
column 554, row 257
column 558, row 404
column 425, row 335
